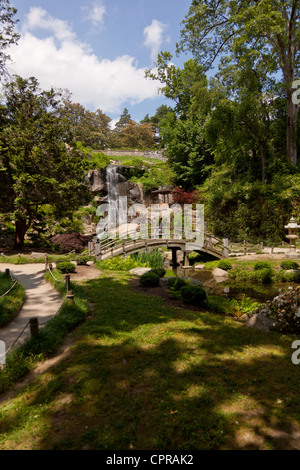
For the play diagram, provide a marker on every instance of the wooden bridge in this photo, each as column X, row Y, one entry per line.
column 127, row 246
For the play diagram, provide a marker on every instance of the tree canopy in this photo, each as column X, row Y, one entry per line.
column 38, row 162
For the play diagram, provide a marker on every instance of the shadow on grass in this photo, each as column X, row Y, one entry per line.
column 144, row 375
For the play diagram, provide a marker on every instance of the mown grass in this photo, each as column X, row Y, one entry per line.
column 23, row 359
column 144, row 374
column 27, row 259
column 11, row 303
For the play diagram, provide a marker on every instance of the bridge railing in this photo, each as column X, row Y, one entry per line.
column 211, row 243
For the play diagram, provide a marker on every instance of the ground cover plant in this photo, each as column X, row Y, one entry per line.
column 143, row 374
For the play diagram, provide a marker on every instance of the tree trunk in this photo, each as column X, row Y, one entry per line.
column 291, row 130
column 21, row 229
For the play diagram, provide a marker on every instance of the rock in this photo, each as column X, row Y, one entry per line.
column 139, row 271
column 38, row 255
column 199, row 266
column 220, row 273
column 261, row 322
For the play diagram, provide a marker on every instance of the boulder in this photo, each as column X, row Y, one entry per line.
column 139, row 271
column 220, row 273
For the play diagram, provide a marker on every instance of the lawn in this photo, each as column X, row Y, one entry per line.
column 11, row 303
column 143, row 374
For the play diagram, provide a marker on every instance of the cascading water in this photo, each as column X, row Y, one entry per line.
column 110, row 223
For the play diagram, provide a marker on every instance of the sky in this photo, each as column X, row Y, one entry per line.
column 98, row 49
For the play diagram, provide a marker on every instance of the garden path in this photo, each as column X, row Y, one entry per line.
column 41, row 301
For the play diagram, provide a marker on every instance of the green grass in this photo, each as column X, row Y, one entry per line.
column 11, row 303
column 143, row 374
column 27, row 259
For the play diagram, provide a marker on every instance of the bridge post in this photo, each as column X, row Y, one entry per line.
column 174, row 257
column 225, row 248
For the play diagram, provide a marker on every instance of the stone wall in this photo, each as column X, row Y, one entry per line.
column 135, row 153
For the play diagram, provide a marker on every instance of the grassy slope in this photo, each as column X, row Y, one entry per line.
column 145, row 375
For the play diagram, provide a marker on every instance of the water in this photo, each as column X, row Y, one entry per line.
column 236, row 289
column 110, row 223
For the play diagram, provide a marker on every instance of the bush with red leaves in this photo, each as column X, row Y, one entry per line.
column 180, row 196
column 68, row 242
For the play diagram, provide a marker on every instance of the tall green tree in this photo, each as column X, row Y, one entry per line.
column 267, row 31
column 181, row 131
column 91, row 128
column 8, row 35
column 38, row 162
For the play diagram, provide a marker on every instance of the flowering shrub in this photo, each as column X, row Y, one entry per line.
column 284, row 310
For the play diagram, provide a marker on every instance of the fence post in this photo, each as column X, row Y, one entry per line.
column 34, row 327
column 7, row 272
column 67, row 279
column 70, row 297
column 46, row 262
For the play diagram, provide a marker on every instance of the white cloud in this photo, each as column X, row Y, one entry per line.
column 61, row 60
column 95, row 13
column 154, row 34
column 38, row 18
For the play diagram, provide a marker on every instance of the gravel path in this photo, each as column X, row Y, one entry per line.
column 42, row 300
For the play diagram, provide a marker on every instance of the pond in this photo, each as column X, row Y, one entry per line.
column 236, row 289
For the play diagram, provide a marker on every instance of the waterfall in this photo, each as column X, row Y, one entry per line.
column 113, row 181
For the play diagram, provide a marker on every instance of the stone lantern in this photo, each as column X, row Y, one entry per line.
column 292, row 228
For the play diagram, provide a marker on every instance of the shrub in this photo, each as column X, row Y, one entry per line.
column 263, row 275
column 289, row 264
column 193, row 295
column 176, row 283
column 159, row 271
column 118, row 263
column 149, row 279
column 82, row 260
column 262, row 265
column 224, row 264
column 66, row 267
column 67, row 242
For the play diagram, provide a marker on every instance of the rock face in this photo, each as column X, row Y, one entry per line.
column 100, row 181
column 97, row 180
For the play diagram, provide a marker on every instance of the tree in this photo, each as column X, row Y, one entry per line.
column 181, row 131
column 8, row 35
column 125, row 119
column 267, row 31
column 90, row 128
column 39, row 164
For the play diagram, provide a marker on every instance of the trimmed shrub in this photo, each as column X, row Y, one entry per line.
column 149, row 279
column 289, row 264
column 66, row 267
column 176, row 283
column 224, row 264
column 82, row 260
column 193, row 295
column 262, row 265
column 159, row 271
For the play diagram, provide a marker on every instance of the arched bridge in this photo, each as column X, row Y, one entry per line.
column 124, row 247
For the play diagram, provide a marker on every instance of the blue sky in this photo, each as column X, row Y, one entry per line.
column 98, row 49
